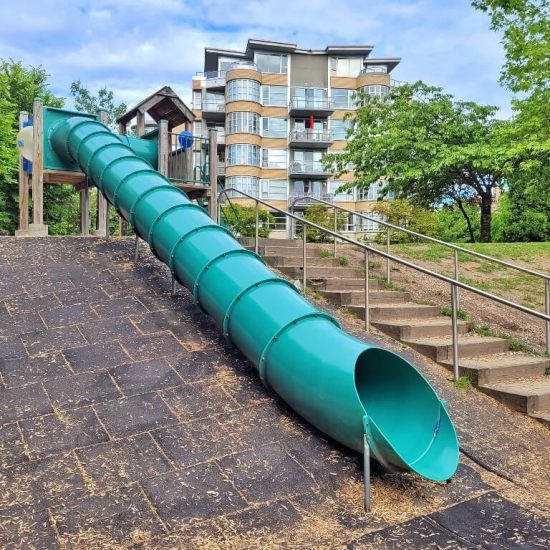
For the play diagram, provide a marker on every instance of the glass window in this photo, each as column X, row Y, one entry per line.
column 274, row 127
column 340, row 128
column 313, row 98
column 274, row 189
column 240, row 122
column 274, row 95
column 274, row 158
column 376, row 69
column 243, row 89
column 278, row 222
column 272, row 62
column 243, row 153
column 376, row 89
column 197, row 129
column 342, row 98
column 246, row 184
column 224, row 62
column 197, row 98
column 346, row 66
column 373, row 193
column 370, row 226
column 348, row 195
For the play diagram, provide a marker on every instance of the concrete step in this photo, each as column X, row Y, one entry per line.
column 286, row 251
column 396, row 311
column 402, row 329
column 262, row 241
column 282, row 261
column 528, row 396
column 357, row 297
column 469, row 345
column 342, row 283
column 498, row 368
column 542, row 417
column 318, row 272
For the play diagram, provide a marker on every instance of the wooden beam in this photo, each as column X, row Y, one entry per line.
column 140, row 123
column 85, row 210
column 101, row 224
column 61, row 177
column 163, row 147
column 213, row 173
column 122, row 130
column 37, row 165
column 23, row 184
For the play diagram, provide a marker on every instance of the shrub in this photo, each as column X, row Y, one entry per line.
column 241, row 220
column 452, row 226
column 323, row 216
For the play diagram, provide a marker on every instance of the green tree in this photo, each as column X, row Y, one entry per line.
column 323, row 216
column 87, row 102
column 19, row 86
column 241, row 220
column 405, row 214
column 430, row 148
column 452, row 225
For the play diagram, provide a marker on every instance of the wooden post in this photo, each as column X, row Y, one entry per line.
column 85, row 209
column 101, row 200
column 23, row 187
column 213, row 173
column 163, row 148
column 140, row 123
column 121, row 128
column 37, row 227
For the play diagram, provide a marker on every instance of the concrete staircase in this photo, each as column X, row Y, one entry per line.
column 516, row 379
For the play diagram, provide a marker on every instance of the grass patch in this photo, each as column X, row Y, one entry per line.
column 343, row 261
column 515, row 345
column 461, row 315
column 462, row 383
column 324, row 253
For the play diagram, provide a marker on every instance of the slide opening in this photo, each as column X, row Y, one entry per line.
column 406, row 412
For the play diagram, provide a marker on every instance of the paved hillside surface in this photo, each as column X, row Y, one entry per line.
column 127, row 422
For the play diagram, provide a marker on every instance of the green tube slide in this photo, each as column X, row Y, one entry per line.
column 344, row 387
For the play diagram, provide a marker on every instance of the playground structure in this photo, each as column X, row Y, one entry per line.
column 365, row 397
column 166, row 153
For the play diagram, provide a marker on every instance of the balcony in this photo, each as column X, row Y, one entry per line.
column 307, row 199
column 221, row 168
column 243, row 64
column 305, row 106
column 310, row 139
column 307, row 169
column 213, row 110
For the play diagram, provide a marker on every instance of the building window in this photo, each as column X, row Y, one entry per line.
column 243, row 153
column 309, row 98
column 243, row 89
column 340, row 128
column 197, row 129
column 376, row 89
column 246, row 184
column 274, row 127
column 224, row 63
column 278, row 222
column 375, row 69
column 272, row 63
column 373, row 193
column 274, row 189
column 342, row 98
column 348, row 195
column 346, row 66
column 274, row 95
column 197, row 99
column 240, row 122
column 274, row 158
column 370, row 226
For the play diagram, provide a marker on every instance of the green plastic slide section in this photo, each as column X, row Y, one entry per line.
column 342, row 386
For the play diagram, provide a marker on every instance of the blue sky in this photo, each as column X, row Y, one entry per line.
column 136, row 46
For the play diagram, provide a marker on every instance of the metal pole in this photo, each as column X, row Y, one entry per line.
column 547, row 311
column 136, row 248
column 367, row 312
column 454, row 296
column 388, row 278
column 457, row 280
column 366, row 471
column 304, row 242
column 107, row 220
column 257, row 232
column 335, row 230
column 292, row 223
column 173, row 288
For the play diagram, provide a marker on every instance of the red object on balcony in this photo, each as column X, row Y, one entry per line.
column 311, row 122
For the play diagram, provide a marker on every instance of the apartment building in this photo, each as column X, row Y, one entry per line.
column 278, row 109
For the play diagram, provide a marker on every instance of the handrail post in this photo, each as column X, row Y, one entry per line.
column 454, row 320
column 457, row 280
column 292, row 222
column 335, row 230
column 366, row 473
column 388, row 268
column 547, row 311
column 257, row 232
column 367, row 311
column 304, row 242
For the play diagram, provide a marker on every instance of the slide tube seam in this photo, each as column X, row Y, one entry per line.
column 112, row 163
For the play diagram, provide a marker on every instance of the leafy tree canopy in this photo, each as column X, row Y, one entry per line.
column 87, row 102
column 430, row 148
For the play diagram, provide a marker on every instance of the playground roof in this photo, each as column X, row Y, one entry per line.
column 164, row 104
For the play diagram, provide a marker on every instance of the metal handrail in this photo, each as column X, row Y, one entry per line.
column 310, row 134
column 455, row 284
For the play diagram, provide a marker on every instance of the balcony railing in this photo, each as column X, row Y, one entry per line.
column 309, row 135
column 372, row 70
column 300, row 103
column 213, row 106
column 221, row 168
column 308, row 198
column 302, row 167
column 243, row 64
